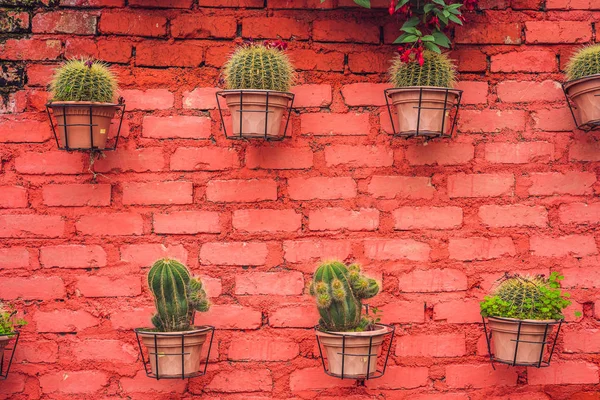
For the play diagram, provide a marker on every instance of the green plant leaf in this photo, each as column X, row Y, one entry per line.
column 363, row 3
column 440, row 2
column 454, row 19
column 406, row 39
column 432, row 46
column 441, row 39
column 410, row 29
column 401, row 3
column 428, row 7
column 428, row 38
column 414, row 21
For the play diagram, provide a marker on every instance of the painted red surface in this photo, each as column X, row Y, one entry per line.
column 438, row 223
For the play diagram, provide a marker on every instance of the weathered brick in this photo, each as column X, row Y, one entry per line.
column 107, row 286
column 572, row 182
column 76, row 195
column 73, row 382
column 243, row 191
column 584, row 151
column 30, row 49
column 176, row 127
column 13, row 197
column 365, row 94
column 186, row 222
column 144, row 255
column 306, row 250
column 70, row 22
column 262, row 348
column 585, row 341
column 14, row 258
column 525, row 61
column 49, row 163
column 433, row 280
column 564, row 373
column 230, row 316
column 580, row 213
column 326, row 124
column 321, row 188
column 275, row 27
column 571, row 245
column 443, row 345
column 479, row 248
column 330, row 219
column 204, row 159
column 172, row 54
column 553, row 119
column 165, row 192
column 407, row 218
column 485, row 33
column 312, row 95
column 529, row 91
column 269, row 283
column 396, row 249
column 256, row 380
column 64, row 320
column 22, row 128
column 345, row 31
column 405, row 187
column 489, row 120
column 72, row 256
column 32, row 288
column 137, row 160
column 440, row 153
column 105, row 350
column 149, row 99
column 31, row 225
column 311, row 60
column 557, row 32
column 199, row 25
column 479, row 376
column 359, row 156
column 480, row 185
column 463, row 311
column 513, row 215
column 265, row 220
column 114, row 224
column 233, row 253
column 132, row 23
column 519, row 153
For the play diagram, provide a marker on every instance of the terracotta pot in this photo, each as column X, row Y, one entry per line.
column 249, row 108
column 355, row 343
column 168, row 346
column 432, row 120
column 4, row 340
column 78, row 121
column 504, row 333
column 585, row 95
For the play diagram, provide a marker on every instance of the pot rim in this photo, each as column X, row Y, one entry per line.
column 195, row 331
column 81, row 103
column 391, row 91
column 383, row 330
column 227, row 92
column 568, row 84
column 527, row 321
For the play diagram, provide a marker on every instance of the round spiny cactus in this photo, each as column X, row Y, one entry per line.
column 584, row 63
column 257, row 66
column 84, row 80
column 521, row 291
column 437, row 70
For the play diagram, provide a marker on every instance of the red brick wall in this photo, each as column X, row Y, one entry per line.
column 438, row 223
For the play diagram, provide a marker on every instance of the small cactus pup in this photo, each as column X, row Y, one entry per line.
column 343, row 330
column 258, row 77
column 583, row 87
column 177, row 296
column 423, row 94
column 524, row 308
column 81, row 87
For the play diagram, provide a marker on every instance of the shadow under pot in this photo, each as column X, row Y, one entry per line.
column 83, row 125
column 424, row 110
column 531, row 335
column 584, row 94
column 353, row 355
column 174, row 354
column 258, row 113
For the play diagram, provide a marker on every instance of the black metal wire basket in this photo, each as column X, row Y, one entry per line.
column 433, row 114
column 179, row 358
column 255, row 114
column 586, row 126
column 83, row 118
column 546, row 344
column 7, row 355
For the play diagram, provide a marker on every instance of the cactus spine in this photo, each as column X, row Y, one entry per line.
column 437, row 70
column 584, row 63
column 176, row 296
column 338, row 291
column 84, row 80
column 257, row 66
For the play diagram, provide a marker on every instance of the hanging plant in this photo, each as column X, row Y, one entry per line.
column 583, row 87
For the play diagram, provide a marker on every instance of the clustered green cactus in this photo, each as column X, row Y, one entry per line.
column 8, row 320
column 339, row 290
column 259, row 66
column 584, row 63
column 437, row 70
column 527, row 297
column 176, row 296
column 84, row 80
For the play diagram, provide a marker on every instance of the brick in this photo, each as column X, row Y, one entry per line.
column 404, row 312
column 73, row 382
column 72, row 256
column 106, row 286
column 572, row 182
column 525, row 61
column 294, row 316
column 161, row 3
column 144, row 255
column 49, row 163
column 76, row 195
column 22, row 129
column 300, row 4
column 265, row 220
column 557, row 32
column 489, row 120
column 480, row 185
column 586, row 277
column 519, row 153
column 312, row 95
column 136, row 160
column 141, row 384
column 31, row 49
column 479, row 376
column 230, row 316
column 105, row 350
column 204, row 159
column 270, row 283
column 256, row 380
column 304, row 379
column 359, row 156
column 201, row 98
column 443, row 345
column 233, row 253
column 279, row 157
column 307, row 250
column 473, row 92
column 166, row 192
column 433, row 280
column 244, row 191
column 470, row 60
column 275, row 27
column 132, row 23
column 14, row 258
column 585, row 341
column 262, row 348
column 396, row 249
column 106, row 49
column 64, row 320
column 513, row 215
column 580, row 213
column 485, row 33
column 526, row 4
column 369, row 62
column 365, row 94
column 463, row 311
column 345, row 31
column 149, row 99
column 70, row 22
column 13, row 197
column 186, row 222
column 13, row 21
column 15, row 383
column 175, row 54
column 323, row 188
column 179, row 127
column 571, row 4
column 564, row 373
column 583, row 151
column 440, row 154
column 198, row 25
column 39, row 351
column 480, row 248
column 311, row 60
column 335, row 218
column 571, row 245
column 115, row 224
column 407, row 187
column 397, row 377
column 32, row 288
column 529, row 91
column 31, row 225
column 326, row 124
column 407, row 218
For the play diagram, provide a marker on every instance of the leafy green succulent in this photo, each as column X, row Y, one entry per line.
column 8, row 320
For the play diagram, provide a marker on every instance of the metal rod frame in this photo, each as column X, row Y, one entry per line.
column 586, row 127
column 5, row 370
column 427, row 134
column 241, row 135
column 541, row 363
column 146, row 362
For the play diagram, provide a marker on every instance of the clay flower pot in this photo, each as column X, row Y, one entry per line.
column 257, row 113
column 174, row 354
column 424, row 110
column 585, row 95
column 76, row 116
column 531, row 339
column 4, row 340
column 347, row 351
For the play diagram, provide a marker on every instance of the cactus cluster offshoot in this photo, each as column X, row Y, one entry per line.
column 84, row 80
column 437, row 70
column 176, row 296
column 584, row 63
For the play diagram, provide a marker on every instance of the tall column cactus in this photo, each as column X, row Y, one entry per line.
column 176, row 295
column 339, row 290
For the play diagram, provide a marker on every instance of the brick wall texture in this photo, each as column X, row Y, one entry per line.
column 437, row 223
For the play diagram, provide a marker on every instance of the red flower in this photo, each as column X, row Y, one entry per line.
column 405, row 55
column 392, row 8
column 434, row 21
column 419, row 55
column 470, row 5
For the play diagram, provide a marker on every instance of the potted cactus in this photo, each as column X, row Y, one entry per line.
column 583, row 87
column 83, row 93
column 522, row 312
column 174, row 344
column 346, row 334
column 423, row 96
column 258, row 77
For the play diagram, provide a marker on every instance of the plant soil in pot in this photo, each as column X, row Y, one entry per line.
column 583, row 87
column 258, row 77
